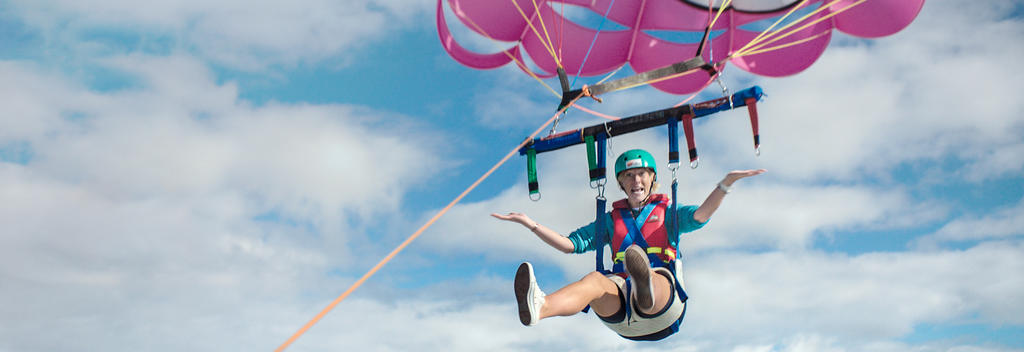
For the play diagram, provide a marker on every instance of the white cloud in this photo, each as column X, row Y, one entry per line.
column 248, row 35
column 871, row 296
column 738, row 302
column 1001, row 223
column 175, row 203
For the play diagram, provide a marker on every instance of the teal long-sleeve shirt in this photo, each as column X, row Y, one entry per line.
column 583, row 238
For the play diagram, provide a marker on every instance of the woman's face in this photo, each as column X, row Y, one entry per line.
column 637, row 184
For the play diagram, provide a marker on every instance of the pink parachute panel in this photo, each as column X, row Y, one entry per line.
column 500, row 20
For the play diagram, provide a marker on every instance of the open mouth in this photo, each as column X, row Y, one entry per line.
column 637, row 191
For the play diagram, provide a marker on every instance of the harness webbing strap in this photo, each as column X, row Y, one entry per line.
column 620, row 256
column 643, row 78
column 673, row 216
column 602, row 232
column 673, row 141
column 691, row 144
column 596, row 156
column 752, row 109
column 531, row 171
column 591, row 155
column 635, row 235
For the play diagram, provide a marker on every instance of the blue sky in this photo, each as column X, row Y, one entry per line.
column 207, row 176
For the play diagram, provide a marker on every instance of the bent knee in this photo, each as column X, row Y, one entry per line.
column 601, row 281
column 595, row 276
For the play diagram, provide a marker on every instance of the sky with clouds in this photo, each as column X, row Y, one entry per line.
column 209, row 175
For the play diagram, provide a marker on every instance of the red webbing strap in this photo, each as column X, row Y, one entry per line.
column 690, row 143
column 752, row 109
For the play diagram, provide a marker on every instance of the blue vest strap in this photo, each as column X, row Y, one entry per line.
column 602, row 232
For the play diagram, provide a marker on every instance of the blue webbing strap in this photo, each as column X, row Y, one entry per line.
column 599, row 220
column 602, row 232
column 673, row 141
column 634, row 236
column 673, row 162
column 599, row 216
column 673, row 217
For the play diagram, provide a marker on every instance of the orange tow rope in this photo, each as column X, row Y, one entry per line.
column 418, row 232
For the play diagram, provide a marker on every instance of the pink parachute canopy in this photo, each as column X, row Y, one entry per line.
column 502, row 20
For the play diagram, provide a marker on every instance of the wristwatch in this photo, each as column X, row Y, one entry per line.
column 724, row 188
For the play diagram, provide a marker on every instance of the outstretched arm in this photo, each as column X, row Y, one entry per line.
column 714, row 199
column 549, row 236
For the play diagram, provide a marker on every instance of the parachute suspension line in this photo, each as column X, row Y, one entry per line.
column 768, row 33
column 707, row 29
column 561, row 30
column 598, row 114
column 717, row 77
column 721, row 9
column 529, row 22
column 517, row 61
column 558, row 58
column 783, row 46
column 415, row 234
column 610, row 75
column 705, row 41
column 757, row 39
column 787, row 34
column 600, row 26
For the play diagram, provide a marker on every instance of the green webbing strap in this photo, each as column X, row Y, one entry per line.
column 531, row 173
column 592, row 157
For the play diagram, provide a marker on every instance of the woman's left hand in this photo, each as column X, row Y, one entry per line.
column 739, row 174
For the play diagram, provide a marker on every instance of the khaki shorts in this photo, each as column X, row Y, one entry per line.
column 640, row 326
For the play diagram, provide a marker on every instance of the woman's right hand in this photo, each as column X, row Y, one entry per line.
column 520, row 218
column 552, row 238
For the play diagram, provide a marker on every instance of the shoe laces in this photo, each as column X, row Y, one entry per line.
column 538, row 298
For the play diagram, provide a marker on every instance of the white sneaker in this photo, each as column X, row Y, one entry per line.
column 639, row 269
column 528, row 295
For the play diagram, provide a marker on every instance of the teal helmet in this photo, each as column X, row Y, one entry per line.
column 632, row 159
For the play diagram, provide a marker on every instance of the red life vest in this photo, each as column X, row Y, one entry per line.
column 653, row 230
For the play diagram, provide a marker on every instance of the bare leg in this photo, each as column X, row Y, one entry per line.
column 594, row 289
column 645, row 278
column 663, row 288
